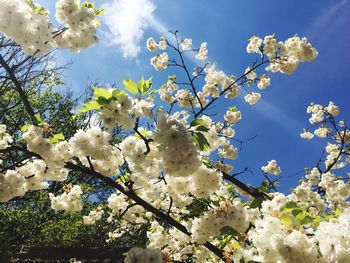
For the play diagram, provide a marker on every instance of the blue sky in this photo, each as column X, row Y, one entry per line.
column 226, row 25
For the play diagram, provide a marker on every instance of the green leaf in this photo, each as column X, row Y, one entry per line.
column 88, row 4
column 91, row 105
column 54, row 140
column 152, row 92
column 206, row 160
column 99, row 11
column 144, row 85
column 102, row 101
column 233, row 108
column 251, row 38
column 337, row 212
column 59, row 136
column 123, row 178
column 201, row 141
column 30, row 3
column 39, row 120
column 25, row 128
column 297, row 211
column 102, row 92
column 202, row 128
column 227, row 230
column 257, row 202
column 172, row 77
column 143, row 133
column 130, row 86
column 40, row 10
column 286, row 220
column 197, row 122
column 291, row 204
column 306, row 220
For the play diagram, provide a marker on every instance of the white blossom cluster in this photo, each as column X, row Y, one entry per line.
column 293, row 51
column 232, row 116
column 160, row 61
column 203, row 51
column 271, row 168
column 146, row 255
column 252, row 98
column 215, row 78
column 32, row 31
column 70, row 202
column 80, row 22
column 319, row 111
column 306, row 135
column 274, row 240
column 166, row 92
column 179, row 154
column 93, row 147
column 264, row 82
column 12, row 184
column 211, row 222
column 152, row 45
column 30, row 27
column 283, row 56
column 143, row 166
column 93, row 216
column 122, row 111
column 5, row 138
column 186, row 44
column 171, row 166
column 176, row 242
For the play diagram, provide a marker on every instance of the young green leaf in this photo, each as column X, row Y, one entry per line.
column 201, row 141
column 197, row 122
column 116, row 93
column 91, row 105
column 257, row 202
column 130, row 86
column 99, row 11
column 102, row 92
column 25, row 128
column 59, row 136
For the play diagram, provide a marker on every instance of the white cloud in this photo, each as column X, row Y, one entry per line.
column 127, row 20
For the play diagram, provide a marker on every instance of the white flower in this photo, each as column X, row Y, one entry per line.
column 160, row 61
column 93, row 216
column 254, row 45
column 264, row 82
column 271, row 168
column 151, row 44
column 12, row 184
column 203, row 52
column 232, row 116
column 5, row 138
column 163, row 44
column 144, row 255
column 322, row 132
column 252, row 98
column 290, row 53
column 333, row 109
column 250, row 74
column 186, row 44
column 306, row 135
column 70, row 202
column 81, row 24
column 270, row 45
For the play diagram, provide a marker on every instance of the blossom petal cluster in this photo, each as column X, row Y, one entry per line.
column 29, row 25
